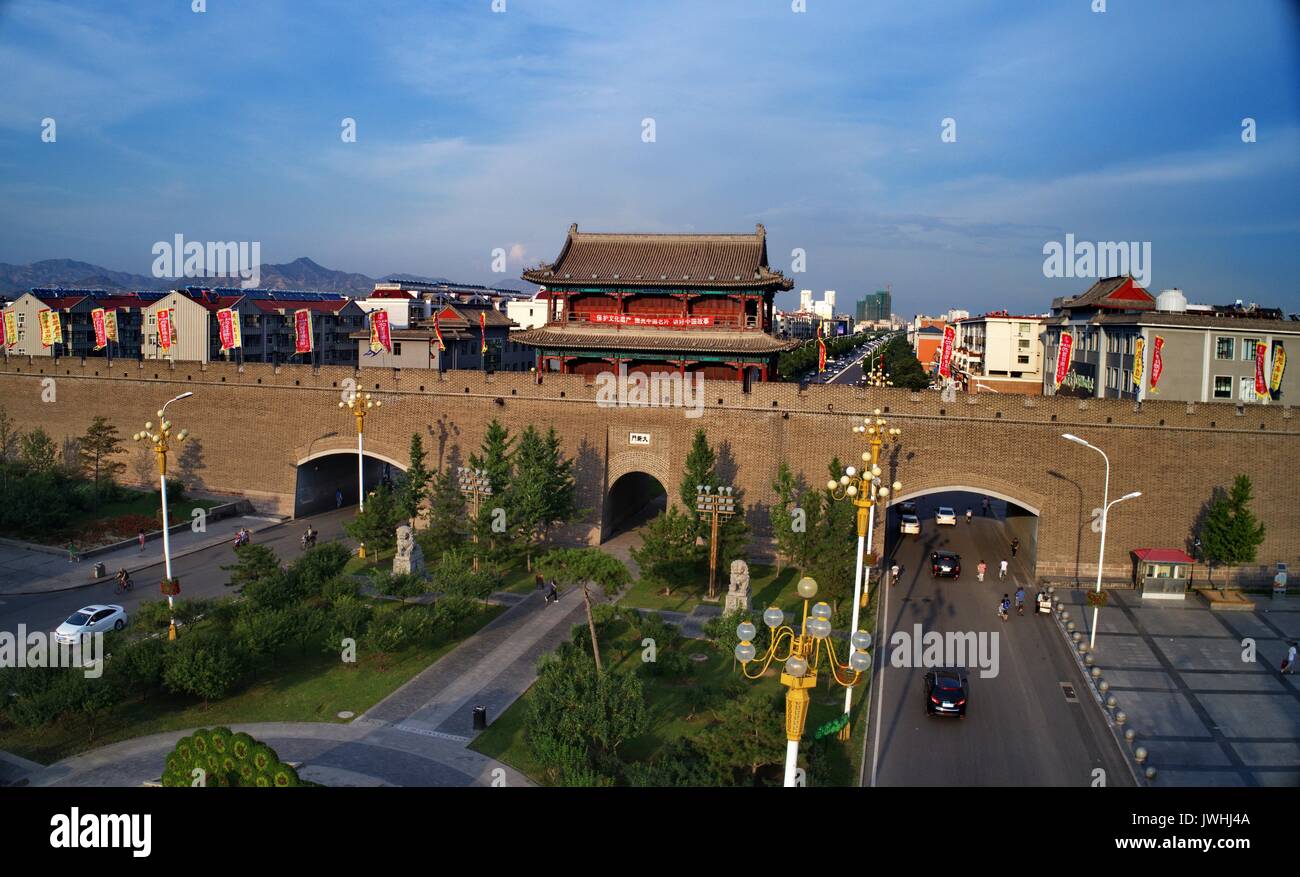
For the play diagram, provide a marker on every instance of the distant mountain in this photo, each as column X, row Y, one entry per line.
column 302, row 274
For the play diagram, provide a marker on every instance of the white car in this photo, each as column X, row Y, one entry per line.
column 945, row 515
column 909, row 524
column 90, row 619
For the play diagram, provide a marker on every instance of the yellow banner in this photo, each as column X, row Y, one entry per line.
column 110, row 324
column 47, row 331
column 1139, row 361
column 11, row 328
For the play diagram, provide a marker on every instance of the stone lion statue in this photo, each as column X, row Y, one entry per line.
column 409, row 558
column 405, row 541
column 739, row 575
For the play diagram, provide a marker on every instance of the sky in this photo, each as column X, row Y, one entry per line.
column 478, row 130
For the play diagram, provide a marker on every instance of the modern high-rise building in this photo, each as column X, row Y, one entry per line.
column 876, row 308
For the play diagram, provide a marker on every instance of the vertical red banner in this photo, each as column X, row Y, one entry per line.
column 302, row 331
column 382, row 333
column 1261, row 370
column 226, row 328
column 945, row 353
column 1063, row 353
column 482, row 330
column 164, row 329
column 101, row 333
column 1157, row 362
column 437, row 331
column 821, row 350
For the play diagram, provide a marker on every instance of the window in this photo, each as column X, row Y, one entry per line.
column 1024, row 329
column 1024, row 343
column 1022, row 360
column 1128, row 379
column 1248, row 346
column 1223, row 386
column 1246, row 389
column 1223, row 348
column 1128, row 344
column 397, row 348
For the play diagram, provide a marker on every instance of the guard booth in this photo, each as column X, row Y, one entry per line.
column 1162, row 573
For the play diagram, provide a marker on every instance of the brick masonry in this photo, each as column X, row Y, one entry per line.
column 256, row 423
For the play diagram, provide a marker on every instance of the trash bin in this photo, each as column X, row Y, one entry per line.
column 98, row 571
column 480, row 718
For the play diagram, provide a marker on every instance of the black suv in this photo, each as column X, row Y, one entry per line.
column 946, row 692
column 945, row 564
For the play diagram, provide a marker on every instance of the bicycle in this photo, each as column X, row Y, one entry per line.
column 123, row 584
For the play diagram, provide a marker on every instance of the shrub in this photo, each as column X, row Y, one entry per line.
column 218, row 753
column 139, row 664
column 207, row 667
column 340, row 586
column 319, row 565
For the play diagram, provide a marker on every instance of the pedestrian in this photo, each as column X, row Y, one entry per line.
column 140, row 536
column 1020, row 600
column 1002, row 570
column 986, row 506
column 338, row 498
column 968, row 515
column 538, row 581
column 980, row 569
column 552, row 595
column 72, row 552
column 1015, row 546
column 1288, row 663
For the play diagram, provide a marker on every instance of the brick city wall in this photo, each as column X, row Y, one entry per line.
column 254, row 424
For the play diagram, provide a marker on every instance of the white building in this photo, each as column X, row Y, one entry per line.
column 999, row 352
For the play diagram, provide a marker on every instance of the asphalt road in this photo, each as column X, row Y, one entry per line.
column 1020, row 728
column 200, row 574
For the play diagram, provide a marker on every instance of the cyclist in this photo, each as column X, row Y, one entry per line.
column 1004, row 608
column 968, row 515
column 124, row 582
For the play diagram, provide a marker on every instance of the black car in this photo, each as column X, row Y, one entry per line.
column 946, row 692
column 945, row 564
column 907, row 507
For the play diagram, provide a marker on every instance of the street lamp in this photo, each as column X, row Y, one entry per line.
column 864, row 488
column 714, row 507
column 161, row 444
column 360, row 405
column 801, row 661
column 474, row 484
column 1105, row 513
column 980, row 386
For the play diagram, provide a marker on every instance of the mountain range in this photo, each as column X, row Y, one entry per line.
column 300, row 274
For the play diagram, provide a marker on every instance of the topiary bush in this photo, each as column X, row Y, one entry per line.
column 226, row 759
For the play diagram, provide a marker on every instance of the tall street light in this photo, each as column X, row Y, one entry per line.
column 475, row 485
column 803, row 653
column 714, row 507
column 161, row 444
column 361, row 405
column 864, row 489
column 1105, row 512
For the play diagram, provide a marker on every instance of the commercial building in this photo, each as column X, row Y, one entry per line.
column 1206, row 353
column 926, row 337
column 999, row 352
column 654, row 303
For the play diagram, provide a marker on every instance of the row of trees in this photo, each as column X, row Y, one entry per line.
column 902, row 366
column 675, row 547
column 815, row 533
column 803, row 359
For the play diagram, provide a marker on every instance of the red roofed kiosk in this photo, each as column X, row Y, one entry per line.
column 1162, row 573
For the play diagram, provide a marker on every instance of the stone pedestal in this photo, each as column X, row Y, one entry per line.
column 409, row 559
column 737, row 599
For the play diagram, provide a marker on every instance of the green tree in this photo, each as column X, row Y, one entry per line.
column 496, row 458
column 10, row 436
column 376, row 525
column 1230, row 532
column 700, row 463
column 787, row 528
column 585, row 567
column 98, row 447
column 448, row 527
column 668, row 554
column 410, row 496
column 749, row 736
column 829, row 554
column 530, row 505
column 38, row 452
column 207, row 667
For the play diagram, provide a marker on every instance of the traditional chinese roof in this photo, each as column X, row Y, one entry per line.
column 707, row 261
column 702, row 341
column 1116, row 293
column 463, row 316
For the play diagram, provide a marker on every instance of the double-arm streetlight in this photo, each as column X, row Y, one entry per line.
column 802, row 659
column 161, row 441
column 714, row 507
column 1106, row 503
column 475, row 485
column 864, row 489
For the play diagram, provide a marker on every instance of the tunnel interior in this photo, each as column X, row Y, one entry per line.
column 1003, row 521
column 319, row 479
column 633, row 499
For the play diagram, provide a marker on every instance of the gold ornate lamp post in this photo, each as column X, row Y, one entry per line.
column 714, row 507
column 475, row 485
column 878, row 377
column 864, row 489
column 360, row 404
column 161, row 441
column 803, row 653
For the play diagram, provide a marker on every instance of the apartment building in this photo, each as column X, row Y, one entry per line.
column 999, row 352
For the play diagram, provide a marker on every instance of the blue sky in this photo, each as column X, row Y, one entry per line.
column 478, row 130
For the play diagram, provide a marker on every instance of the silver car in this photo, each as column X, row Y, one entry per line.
column 90, row 619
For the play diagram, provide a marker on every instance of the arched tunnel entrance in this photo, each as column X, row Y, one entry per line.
column 633, row 500
column 997, row 523
column 322, row 478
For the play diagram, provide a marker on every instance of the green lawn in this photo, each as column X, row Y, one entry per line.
column 767, row 587
column 307, row 688
column 86, row 530
column 668, row 704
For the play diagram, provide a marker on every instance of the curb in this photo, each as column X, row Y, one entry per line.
column 134, row 569
column 1135, row 769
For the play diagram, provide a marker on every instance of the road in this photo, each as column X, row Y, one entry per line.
column 200, row 574
column 1020, row 728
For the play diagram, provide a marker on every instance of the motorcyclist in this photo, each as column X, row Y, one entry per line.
column 1004, row 608
column 309, row 538
column 968, row 516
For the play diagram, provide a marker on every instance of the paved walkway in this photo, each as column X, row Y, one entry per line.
column 1208, row 716
column 30, row 571
column 417, row 736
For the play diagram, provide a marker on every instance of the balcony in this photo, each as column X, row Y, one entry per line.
column 658, row 320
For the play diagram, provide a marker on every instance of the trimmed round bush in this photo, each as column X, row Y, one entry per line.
column 241, row 745
column 263, row 758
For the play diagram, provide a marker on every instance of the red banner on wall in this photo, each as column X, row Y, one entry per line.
column 945, row 352
column 302, row 331
column 1261, row 370
column 1157, row 362
column 380, row 336
column 1064, row 350
column 164, row 329
column 821, row 350
column 482, row 331
column 101, row 334
column 673, row 322
column 228, row 329
column 437, row 332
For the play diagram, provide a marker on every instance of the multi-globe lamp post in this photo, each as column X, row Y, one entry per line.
column 361, row 404
column 714, row 507
column 474, row 485
column 878, row 377
column 161, row 441
column 865, row 489
column 803, row 653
